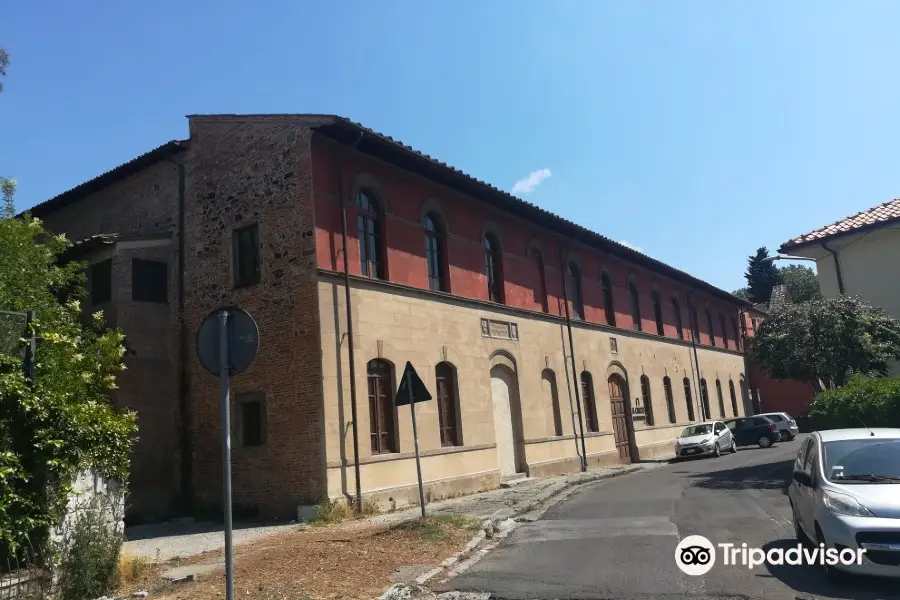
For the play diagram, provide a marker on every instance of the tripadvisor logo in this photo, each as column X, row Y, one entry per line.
column 696, row 555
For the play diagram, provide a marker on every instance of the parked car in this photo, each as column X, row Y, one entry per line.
column 757, row 430
column 785, row 425
column 704, row 439
column 845, row 493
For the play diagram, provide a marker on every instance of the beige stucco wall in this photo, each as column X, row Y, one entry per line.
column 399, row 325
column 869, row 267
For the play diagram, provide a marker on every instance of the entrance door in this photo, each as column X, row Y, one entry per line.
column 505, row 399
column 619, row 418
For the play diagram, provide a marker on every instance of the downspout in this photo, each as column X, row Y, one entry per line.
column 350, row 349
column 695, row 329
column 184, row 408
column 837, row 267
column 575, row 381
column 746, row 341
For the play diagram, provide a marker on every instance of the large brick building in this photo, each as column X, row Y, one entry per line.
column 544, row 344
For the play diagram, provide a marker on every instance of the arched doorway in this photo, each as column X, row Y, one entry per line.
column 619, row 409
column 507, row 419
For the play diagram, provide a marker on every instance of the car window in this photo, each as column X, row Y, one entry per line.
column 800, row 463
column 759, row 422
column 811, row 460
column 731, row 425
column 775, row 418
column 720, row 427
column 869, row 460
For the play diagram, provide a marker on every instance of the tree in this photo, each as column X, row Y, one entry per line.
column 802, row 283
column 742, row 293
column 61, row 422
column 4, row 62
column 761, row 276
column 826, row 341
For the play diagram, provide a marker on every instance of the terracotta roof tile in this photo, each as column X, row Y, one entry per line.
column 873, row 217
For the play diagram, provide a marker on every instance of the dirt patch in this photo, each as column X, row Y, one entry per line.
column 346, row 561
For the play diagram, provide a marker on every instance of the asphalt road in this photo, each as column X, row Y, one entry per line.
column 617, row 538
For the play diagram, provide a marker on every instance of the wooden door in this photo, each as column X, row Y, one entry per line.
column 619, row 418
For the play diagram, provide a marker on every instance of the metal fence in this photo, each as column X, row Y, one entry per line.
column 25, row 575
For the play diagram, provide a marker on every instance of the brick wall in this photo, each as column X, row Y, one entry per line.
column 407, row 197
column 241, row 171
column 143, row 205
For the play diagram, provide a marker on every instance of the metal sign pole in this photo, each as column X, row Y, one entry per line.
column 224, row 372
column 412, row 410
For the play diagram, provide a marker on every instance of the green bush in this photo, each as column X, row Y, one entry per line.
column 90, row 560
column 869, row 401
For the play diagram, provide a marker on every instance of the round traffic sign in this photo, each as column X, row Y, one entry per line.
column 242, row 337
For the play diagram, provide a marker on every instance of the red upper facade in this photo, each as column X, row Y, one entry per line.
column 392, row 205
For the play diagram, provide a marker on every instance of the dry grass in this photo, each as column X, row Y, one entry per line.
column 349, row 561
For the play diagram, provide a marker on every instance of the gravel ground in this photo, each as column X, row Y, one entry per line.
column 165, row 541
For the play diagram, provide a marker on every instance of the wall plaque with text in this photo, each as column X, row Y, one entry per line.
column 501, row 330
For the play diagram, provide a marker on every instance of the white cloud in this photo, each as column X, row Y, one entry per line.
column 632, row 246
column 531, row 181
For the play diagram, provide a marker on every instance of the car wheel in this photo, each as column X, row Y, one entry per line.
column 790, row 437
column 733, row 446
column 717, row 452
column 831, row 574
column 778, row 436
column 764, row 442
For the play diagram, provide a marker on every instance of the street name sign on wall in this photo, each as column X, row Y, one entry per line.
column 411, row 391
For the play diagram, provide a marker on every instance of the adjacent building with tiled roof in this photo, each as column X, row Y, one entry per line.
column 858, row 256
column 546, row 346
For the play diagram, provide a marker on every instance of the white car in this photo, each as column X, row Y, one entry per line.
column 705, row 439
column 845, row 493
column 785, row 425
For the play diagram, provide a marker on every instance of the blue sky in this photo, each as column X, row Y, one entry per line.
column 696, row 131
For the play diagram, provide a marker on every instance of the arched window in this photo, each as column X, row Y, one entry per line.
column 587, row 400
column 540, row 291
column 608, row 307
column 709, row 324
column 676, row 308
column 657, row 313
column 548, row 383
column 734, row 410
column 575, row 291
column 447, row 404
column 695, row 322
column 688, row 399
column 704, row 400
column 635, row 306
column 434, row 253
column 737, row 337
column 720, row 398
column 670, row 399
column 647, row 399
column 723, row 329
column 369, row 222
column 382, row 416
column 493, row 267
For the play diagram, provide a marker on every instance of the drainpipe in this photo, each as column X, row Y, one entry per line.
column 695, row 328
column 184, row 408
column 575, row 381
column 837, row 267
column 749, row 378
column 350, row 349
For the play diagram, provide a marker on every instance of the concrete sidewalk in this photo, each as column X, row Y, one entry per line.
column 496, row 505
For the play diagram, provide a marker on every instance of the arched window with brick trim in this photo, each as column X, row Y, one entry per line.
column 608, row 306
column 679, row 326
column 670, row 399
column 688, row 399
column 723, row 329
column 720, row 398
column 635, row 306
column 435, row 253
column 493, row 267
column 370, row 224
column 734, row 408
column 704, row 400
column 540, row 291
column 575, row 291
column 587, row 400
column 657, row 313
column 712, row 331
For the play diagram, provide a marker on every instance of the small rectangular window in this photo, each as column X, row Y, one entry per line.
column 613, row 345
column 252, row 416
column 101, row 281
column 245, row 255
column 149, row 279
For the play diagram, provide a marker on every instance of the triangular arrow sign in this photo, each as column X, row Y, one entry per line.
column 419, row 392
